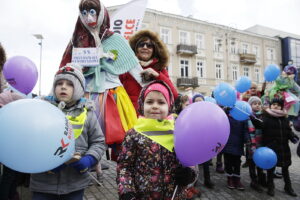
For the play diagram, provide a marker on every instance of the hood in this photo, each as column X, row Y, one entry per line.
column 161, row 52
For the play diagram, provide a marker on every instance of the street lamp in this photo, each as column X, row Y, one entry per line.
column 40, row 37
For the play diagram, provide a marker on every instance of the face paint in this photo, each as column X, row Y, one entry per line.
column 90, row 17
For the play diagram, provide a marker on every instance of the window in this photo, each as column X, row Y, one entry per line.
column 184, row 37
column 256, row 51
column 235, row 71
column 184, row 68
column 200, row 68
column 233, row 46
column 165, row 35
column 245, row 48
column 270, row 54
column 246, row 71
column 217, row 44
column 199, row 41
column 256, row 74
column 219, row 71
column 295, row 52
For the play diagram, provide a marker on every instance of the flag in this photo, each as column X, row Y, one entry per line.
column 128, row 19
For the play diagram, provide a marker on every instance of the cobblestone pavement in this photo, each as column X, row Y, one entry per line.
column 220, row 191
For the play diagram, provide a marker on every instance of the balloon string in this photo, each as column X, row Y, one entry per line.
column 242, row 111
column 252, row 115
column 174, row 192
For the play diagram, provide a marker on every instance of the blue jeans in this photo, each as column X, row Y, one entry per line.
column 77, row 195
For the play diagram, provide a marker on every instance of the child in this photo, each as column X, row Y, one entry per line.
column 257, row 179
column 181, row 103
column 68, row 181
column 233, row 151
column 276, row 135
column 207, row 182
column 147, row 165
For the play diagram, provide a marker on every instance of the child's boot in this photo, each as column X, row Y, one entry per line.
column 289, row 190
column 230, row 184
column 254, row 185
column 288, row 185
column 219, row 168
column 237, row 183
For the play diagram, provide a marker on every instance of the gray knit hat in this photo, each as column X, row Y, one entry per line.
column 254, row 99
column 73, row 74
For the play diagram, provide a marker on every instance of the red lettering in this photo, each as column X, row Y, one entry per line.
column 63, row 145
column 130, row 23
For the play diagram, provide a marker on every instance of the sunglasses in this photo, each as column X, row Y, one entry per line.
column 148, row 45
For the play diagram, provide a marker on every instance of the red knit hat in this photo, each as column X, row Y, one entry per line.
column 160, row 88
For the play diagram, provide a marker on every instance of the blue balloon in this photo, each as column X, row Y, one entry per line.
column 241, row 111
column 265, row 158
column 225, row 94
column 210, row 99
column 243, row 84
column 35, row 136
column 271, row 72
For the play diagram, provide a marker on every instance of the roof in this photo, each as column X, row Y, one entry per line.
column 263, row 30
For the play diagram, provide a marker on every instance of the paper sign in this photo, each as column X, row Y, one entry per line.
column 87, row 57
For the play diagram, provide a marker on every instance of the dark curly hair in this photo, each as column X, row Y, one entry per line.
column 2, row 57
column 141, row 99
column 181, row 99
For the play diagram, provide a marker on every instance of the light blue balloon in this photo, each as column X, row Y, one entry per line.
column 243, row 84
column 241, row 111
column 271, row 72
column 225, row 94
column 35, row 136
column 265, row 158
column 210, row 99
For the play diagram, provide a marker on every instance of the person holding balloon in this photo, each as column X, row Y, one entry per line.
column 253, row 91
column 276, row 133
column 147, row 164
column 69, row 180
column 233, row 151
column 258, row 178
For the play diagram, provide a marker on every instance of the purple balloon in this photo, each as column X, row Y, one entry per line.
column 21, row 73
column 201, row 132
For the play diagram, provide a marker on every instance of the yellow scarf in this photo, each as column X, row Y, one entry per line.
column 160, row 132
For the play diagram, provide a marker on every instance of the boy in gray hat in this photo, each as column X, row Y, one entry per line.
column 68, row 181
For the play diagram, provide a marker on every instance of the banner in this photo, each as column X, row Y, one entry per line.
column 128, row 19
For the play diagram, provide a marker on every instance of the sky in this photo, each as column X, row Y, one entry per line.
column 55, row 20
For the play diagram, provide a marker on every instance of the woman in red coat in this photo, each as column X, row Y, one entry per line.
column 153, row 56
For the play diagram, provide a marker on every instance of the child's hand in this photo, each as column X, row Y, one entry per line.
column 84, row 164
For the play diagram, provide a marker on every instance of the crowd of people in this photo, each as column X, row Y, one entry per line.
column 129, row 104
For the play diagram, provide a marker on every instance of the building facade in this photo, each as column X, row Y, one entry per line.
column 203, row 54
column 290, row 45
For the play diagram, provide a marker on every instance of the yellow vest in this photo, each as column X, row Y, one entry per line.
column 159, row 131
column 78, row 123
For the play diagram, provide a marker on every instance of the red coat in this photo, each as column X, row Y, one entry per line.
column 133, row 88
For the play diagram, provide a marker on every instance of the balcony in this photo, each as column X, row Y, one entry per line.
column 247, row 58
column 186, row 49
column 187, row 82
